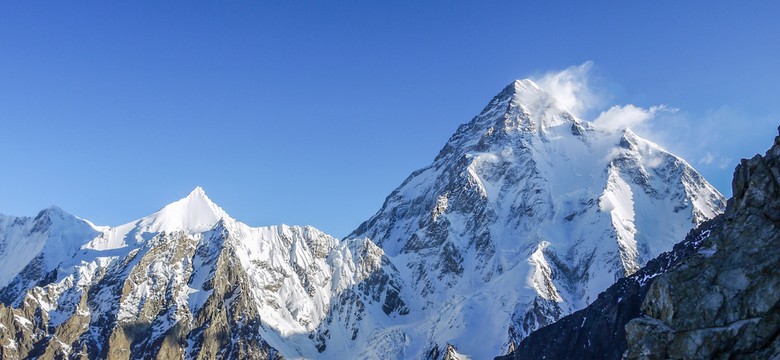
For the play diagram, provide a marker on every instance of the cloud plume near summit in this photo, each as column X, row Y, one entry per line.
column 706, row 136
column 572, row 88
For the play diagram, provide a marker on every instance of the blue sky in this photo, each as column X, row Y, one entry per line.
column 312, row 112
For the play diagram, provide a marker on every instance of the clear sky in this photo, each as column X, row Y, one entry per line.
column 313, row 112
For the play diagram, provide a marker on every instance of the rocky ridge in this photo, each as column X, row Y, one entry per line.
column 724, row 301
column 185, row 282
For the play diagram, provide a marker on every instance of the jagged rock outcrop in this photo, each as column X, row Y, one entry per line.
column 724, row 301
column 715, row 295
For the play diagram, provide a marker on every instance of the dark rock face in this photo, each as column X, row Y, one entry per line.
column 724, row 301
column 716, row 295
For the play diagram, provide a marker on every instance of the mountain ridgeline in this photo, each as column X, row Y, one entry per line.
column 526, row 215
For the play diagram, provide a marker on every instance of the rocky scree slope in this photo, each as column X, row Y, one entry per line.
column 716, row 295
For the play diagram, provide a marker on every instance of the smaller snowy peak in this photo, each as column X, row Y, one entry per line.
column 52, row 236
column 52, row 210
column 195, row 213
column 51, row 216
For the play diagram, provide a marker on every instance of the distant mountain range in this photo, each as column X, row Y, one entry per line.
column 524, row 217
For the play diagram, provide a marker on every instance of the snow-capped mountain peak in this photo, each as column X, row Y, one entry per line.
column 526, row 193
column 51, row 236
column 193, row 213
column 524, row 106
column 192, row 272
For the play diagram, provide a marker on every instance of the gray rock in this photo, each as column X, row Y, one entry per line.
column 723, row 303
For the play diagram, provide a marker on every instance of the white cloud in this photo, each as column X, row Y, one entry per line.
column 707, row 159
column 654, row 161
column 625, row 117
column 735, row 132
column 725, row 163
column 570, row 87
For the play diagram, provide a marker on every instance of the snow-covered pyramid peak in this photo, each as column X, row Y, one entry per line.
column 524, row 106
column 530, row 95
column 193, row 213
column 531, row 212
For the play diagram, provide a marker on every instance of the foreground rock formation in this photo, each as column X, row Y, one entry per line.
column 724, row 301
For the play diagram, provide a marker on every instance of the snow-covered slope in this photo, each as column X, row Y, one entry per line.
column 526, row 214
column 187, row 281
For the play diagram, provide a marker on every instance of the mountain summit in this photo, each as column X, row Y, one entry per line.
column 524, row 216
column 529, row 213
column 195, row 213
column 529, row 107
